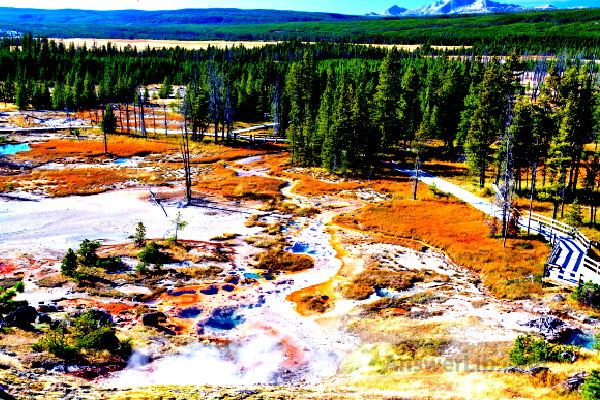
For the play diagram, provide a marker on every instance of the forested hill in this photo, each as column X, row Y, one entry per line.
column 140, row 18
column 531, row 32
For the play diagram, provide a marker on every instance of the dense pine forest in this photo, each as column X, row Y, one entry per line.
column 344, row 107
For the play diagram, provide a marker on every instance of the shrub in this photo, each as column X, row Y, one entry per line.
column 142, row 269
column 110, row 263
column 87, row 253
column 90, row 331
column 140, row 234
column 7, row 302
column 591, row 387
column 588, row 294
column 100, row 339
column 69, row 264
column 151, row 255
column 56, row 343
column 529, row 350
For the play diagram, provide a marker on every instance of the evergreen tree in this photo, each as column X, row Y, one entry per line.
column 22, row 96
column 140, row 234
column 166, row 89
column 575, row 215
column 300, row 89
column 325, row 121
column 109, row 121
column 386, row 100
column 9, row 89
column 69, row 264
column 58, row 97
column 409, row 110
column 88, row 97
column 487, row 121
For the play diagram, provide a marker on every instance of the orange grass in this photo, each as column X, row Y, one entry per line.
column 394, row 184
column 117, row 145
column 85, row 181
column 458, row 229
column 225, row 182
column 231, row 154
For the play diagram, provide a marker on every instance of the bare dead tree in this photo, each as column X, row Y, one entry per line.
column 142, row 122
column 165, row 112
column 215, row 101
column 276, row 108
column 228, row 113
column 185, row 155
column 127, row 112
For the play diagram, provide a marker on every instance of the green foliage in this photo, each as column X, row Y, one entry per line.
column 110, row 263
column 87, row 253
column 142, row 269
column 56, row 343
column 151, row 255
column 180, row 224
column 166, row 89
column 109, row 121
column 591, row 386
column 528, row 350
column 87, row 332
column 7, row 302
column 140, row 234
column 575, row 215
column 69, row 264
column 596, row 345
column 588, row 294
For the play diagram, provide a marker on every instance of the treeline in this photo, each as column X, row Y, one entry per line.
column 479, row 111
column 344, row 107
column 45, row 74
column 533, row 32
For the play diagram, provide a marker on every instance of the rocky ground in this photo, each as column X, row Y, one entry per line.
column 213, row 314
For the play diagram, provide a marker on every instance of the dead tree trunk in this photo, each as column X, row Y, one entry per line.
column 165, row 111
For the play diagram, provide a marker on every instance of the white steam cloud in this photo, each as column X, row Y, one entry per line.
column 254, row 361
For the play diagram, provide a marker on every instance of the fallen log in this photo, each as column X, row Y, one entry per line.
column 573, row 383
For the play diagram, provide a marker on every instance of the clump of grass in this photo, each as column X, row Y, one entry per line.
column 253, row 220
column 52, row 281
column 226, row 182
column 315, row 303
column 209, row 272
column 85, row 181
column 280, row 260
column 273, row 229
column 363, row 285
column 264, row 242
column 225, row 236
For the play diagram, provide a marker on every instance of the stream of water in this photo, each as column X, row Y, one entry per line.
column 319, row 352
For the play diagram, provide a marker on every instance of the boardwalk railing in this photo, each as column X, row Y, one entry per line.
column 550, row 227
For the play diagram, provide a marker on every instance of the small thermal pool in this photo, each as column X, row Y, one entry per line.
column 6, row 149
column 210, row 290
column 267, row 276
column 190, row 312
column 180, row 292
column 224, row 319
column 581, row 338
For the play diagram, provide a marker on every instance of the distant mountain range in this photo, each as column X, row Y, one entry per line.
column 457, row 7
column 190, row 16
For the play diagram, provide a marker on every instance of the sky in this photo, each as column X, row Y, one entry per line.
column 334, row 6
